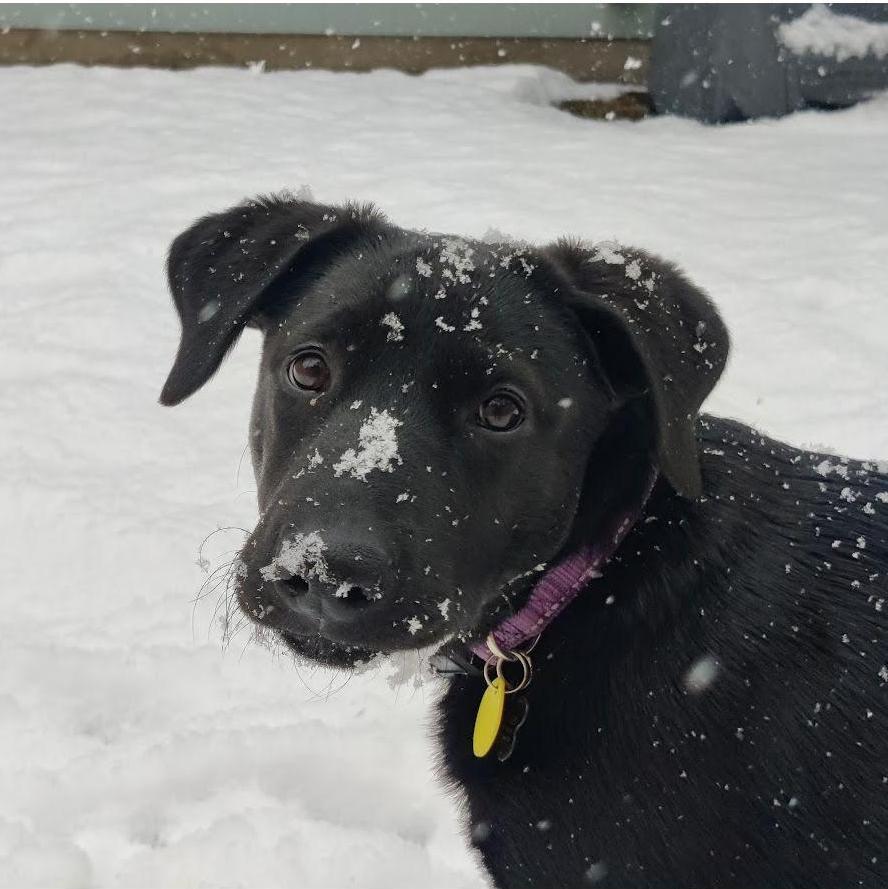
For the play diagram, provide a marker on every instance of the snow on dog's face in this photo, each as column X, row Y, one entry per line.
column 426, row 413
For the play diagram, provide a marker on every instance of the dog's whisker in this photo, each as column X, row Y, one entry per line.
column 240, row 463
column 224, row 528
column 219, row 576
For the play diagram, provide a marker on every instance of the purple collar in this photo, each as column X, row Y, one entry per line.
column 561, row 584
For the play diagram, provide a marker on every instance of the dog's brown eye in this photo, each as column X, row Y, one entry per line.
column 308, row 371
column 500, row 413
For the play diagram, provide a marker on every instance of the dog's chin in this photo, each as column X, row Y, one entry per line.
column 346, row 655
column 326, row 652
column 340, row 655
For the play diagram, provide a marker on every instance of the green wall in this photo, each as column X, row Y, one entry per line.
column 389, row 19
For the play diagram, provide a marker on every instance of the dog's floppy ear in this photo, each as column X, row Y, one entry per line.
column 222, row 269
column 656, row 334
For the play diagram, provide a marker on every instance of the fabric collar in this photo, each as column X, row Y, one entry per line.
column 561, row 583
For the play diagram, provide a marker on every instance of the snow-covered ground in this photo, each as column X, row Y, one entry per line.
column 134, row 749
column 821, row 31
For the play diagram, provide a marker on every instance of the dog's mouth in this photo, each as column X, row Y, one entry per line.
column 348, row 625
column 324, row 651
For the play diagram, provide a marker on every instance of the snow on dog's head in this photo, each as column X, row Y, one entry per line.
column 377, row 447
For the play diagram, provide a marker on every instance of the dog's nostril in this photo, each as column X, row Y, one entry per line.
column 355, row 596
column 296, row 586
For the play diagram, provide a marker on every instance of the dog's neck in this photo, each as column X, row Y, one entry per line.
column 566, row 579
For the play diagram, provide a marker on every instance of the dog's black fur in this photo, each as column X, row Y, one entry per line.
column 711, row 712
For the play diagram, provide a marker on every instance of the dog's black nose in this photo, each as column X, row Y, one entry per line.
column 339, row 583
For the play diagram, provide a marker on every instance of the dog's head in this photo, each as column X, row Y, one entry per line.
column 434, row 417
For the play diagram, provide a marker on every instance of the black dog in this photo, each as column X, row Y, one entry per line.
column 439, row 422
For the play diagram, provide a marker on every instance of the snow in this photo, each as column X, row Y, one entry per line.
column 395, row 325
column 423, row 268
column 596, row 872
column 702, row 673
column 302, row 556
column 137, row 750
column 456, row 260
column 823, row 32
column 473, row 322
column 609, row 252
column 633, row 270
column 377, row 447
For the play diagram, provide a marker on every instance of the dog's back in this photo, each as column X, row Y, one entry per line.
column 803, row 662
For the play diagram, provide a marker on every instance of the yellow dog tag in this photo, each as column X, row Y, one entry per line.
column 489, row 718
